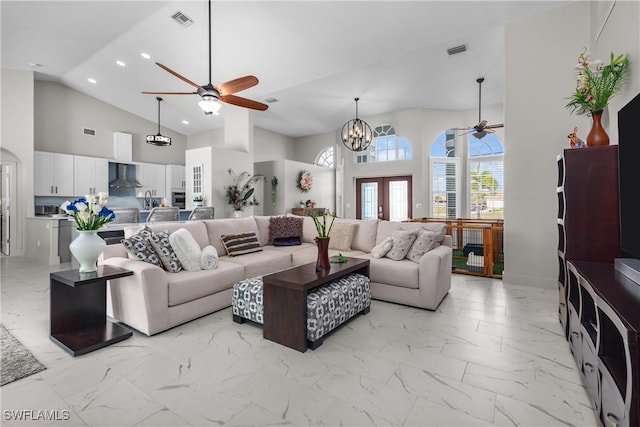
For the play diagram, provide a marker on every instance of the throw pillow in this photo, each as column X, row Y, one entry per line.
column 138, row 247
column 341, row 236
column 209, row 258
column 381, row 250
column 425, row 241
column 284, row 226
column 186, row 248
column 241, row 243
column 402, row 241
column 168, row 257
column 286, row 241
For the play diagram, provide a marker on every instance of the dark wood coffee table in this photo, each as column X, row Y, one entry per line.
column 78, row 321
column 285, row 299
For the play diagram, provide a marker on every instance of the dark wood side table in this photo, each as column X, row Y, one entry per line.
column 285, row 299
column 78, row 311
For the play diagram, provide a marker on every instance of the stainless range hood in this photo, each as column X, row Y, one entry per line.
column 121, row 180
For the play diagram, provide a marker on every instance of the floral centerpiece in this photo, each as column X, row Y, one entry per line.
column 596, row 84
column 239, row 194
column 322, row 241
column 305, row 181
column 90, row 212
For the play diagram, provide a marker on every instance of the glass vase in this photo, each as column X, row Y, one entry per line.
column 597, row 135
column 86, row 248
column 322, row 263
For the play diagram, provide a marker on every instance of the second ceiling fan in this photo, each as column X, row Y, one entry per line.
column 223, row 92
column 482, row 128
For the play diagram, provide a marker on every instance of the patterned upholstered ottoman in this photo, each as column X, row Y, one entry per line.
column 328, row 306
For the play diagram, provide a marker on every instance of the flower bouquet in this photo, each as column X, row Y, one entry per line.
column 90, row 212
column 242, row 189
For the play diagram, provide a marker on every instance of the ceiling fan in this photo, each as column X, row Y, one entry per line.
column 211, row 94
column 482, row 128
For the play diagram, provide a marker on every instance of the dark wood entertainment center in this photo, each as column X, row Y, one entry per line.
column 599, row 309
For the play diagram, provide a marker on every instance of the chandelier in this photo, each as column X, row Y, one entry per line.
column 356, row 134
column 159, row 139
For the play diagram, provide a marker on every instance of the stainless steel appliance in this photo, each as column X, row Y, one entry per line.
column 46, row 210
column 178, row 199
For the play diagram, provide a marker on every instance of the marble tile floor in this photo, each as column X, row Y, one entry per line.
column 492, row 354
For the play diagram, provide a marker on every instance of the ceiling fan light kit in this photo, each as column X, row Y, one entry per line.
column 210, row 105
column 356, row 134
column 159, row 139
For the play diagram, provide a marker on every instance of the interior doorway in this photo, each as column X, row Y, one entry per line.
column 7, row 188
column 386, row 198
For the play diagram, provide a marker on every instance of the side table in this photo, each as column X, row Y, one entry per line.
column 78, row 310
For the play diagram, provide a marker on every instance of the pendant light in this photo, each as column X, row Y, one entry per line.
column 159, row 139
column 356, row 134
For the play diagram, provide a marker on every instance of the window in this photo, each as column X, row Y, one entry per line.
column 467, row 176
column 325, row 158
column 386, row 147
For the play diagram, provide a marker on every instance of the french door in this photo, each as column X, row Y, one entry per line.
column 388, row 198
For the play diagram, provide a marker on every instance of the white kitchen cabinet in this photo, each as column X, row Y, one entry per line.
column 53, row 174
column 122, row 147
column 175, row 177
column 152, row 178
column 90, row 175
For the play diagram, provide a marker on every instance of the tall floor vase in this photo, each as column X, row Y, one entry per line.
column 86, row 248
column 322, row 263
column 597, row 135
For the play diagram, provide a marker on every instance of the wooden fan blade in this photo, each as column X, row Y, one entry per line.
column 244, row 102
column 184, row 79
column 236, row 85
column 500, row 125
column 170, row 93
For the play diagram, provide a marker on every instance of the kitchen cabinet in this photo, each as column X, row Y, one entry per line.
column 53, row 174
column 175, row 177
column 152, row 178
column 90, row 175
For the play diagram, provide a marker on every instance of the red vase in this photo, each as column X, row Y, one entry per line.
column 597, row 135
column 323, row 254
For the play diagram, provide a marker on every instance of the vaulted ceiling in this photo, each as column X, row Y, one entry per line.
column 314, row 57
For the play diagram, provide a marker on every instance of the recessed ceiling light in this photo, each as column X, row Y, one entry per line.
column 92, row 80
column 34, row 65
column 120, row 63
column 145, row 55
column 186, row 122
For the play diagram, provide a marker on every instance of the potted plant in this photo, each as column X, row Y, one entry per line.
column 322, row 241
column 596, row 85
column 239, row 193
column 198, row 200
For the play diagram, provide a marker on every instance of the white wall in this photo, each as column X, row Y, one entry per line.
column 541, row 53
column 61, row 112
column 17, row 139
column 269, row 145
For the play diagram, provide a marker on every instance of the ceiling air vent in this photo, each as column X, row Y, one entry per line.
column 182, row 19
column 90, row 132
column 457, row 49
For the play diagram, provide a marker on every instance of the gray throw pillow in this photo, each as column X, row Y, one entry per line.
column 425, row 241
column 402, row 241
column 139, row 247
column 168, row 257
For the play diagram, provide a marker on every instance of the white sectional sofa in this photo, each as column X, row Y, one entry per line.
column 153, row 300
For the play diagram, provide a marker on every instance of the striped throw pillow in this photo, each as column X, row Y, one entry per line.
column 241, row 243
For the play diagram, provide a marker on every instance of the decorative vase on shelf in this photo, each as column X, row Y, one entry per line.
column 323, row 254
column 86, row 248
column 597, row 135
column 197, row 203
column 237, row 213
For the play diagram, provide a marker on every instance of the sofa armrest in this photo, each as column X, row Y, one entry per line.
column 111, row 251
column 435, row 273
column 140, row 300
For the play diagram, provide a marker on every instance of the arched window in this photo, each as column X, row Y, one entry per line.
column 386, row 146
column 467, row 176
column 325, row 158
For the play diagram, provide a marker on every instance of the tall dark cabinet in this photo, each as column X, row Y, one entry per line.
column 598, row 308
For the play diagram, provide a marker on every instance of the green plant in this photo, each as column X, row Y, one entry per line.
column 90, row 212
column 198, row 198
column 321, row 225
column 242, row 189
column 597, row 83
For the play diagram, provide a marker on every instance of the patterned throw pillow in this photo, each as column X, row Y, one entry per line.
column 168, row 257
column 139, row 247
column 381, row 250
column 402, row 241
column 284, row 226
column 241, row 243
column 425, row 241
column 342, row 235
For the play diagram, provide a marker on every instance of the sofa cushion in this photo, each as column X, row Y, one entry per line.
column 261, row 263
column 341, row 235
column 284, row 226
column 139, row 247
column 197, row 230
column 287, row 241
column 381, row 250
column 241, row 243
column 309, row 231
column 218, row 227
column 262, row 222
column 402, row 241
column 403, row 273
column 385, row 228
column 162, row 246
column 425, row 241
column 191, row 285
column 364, row 238
column 186, row 248
column 290, row 249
